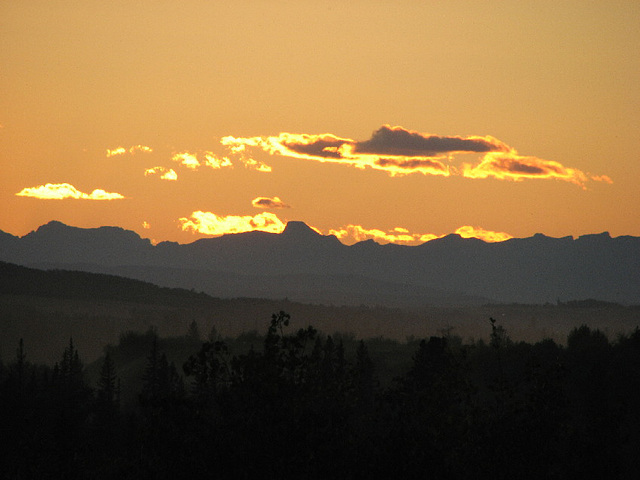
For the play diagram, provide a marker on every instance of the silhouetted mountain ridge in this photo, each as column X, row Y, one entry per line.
column 83, row 285
column 300, row 263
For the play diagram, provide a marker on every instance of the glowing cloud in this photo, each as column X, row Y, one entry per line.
column 511, row 166
column 132, row 150
column 327, row 148
column 209, row 223
column 213, row 161
column 399, row 151
column 266, row 202
column 207, row 159
column 59, row 191
column 187, row 159
column 399, row 141
column 486, row 235
column 140, row 148
column 146, row 225
column 356, row 233
column 165, row 173
column 252, row 164
column 601, row 178
column 169, row 175
column 116, row 151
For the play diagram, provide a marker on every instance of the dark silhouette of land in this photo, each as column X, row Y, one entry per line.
column 304, row 266
column 45, row 308
column 107, row 377
column 293, row 403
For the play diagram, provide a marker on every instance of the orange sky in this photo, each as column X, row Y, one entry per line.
column 400, row 121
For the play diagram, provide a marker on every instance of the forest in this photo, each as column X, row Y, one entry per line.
column 293, row 402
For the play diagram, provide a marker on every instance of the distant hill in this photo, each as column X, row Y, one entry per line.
column 302, row 265
column 46, row 308
column 19, row 280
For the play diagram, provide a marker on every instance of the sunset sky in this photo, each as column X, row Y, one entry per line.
column 394, row 120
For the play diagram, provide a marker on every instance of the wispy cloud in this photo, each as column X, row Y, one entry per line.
column 134, row 149
column 399, row 151
column 59, row 191
column 116, row 151
column 209, row 223
column 186, row 159
column 253, row 164
column 511, row 166
column 356, row 233
column 267, row 202
column 489, row 236
column 211, row 160
column 165, row 173
column 216, row 162
column 328, row 148
column 601, row 178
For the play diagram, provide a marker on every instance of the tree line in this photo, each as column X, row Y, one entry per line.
column 297, row 405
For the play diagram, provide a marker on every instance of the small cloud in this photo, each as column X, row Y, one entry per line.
column 252, row 164
column 266, row 202
column 211, row 160
column 214, row 161
column 187, row 159
column 169, row 175
column 209, row 223
column 238, row 146
column 601, row 178
column 140, row 148
column 59, row 191
column 116, row 151
column 165, row 173
column 146, row 225
column 134, row 149
column 486, row 235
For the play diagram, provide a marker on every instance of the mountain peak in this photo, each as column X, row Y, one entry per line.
column 52, row 225
column 299, row 229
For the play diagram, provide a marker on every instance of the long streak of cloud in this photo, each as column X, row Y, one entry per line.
column 209, row 159
column 515, row 167
column 59, row 191
column 328, row 148
column 356, row 233
column 209, row 223
column 399, row 151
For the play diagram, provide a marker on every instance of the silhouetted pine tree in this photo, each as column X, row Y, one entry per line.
column 72, row 399
column 107, row 393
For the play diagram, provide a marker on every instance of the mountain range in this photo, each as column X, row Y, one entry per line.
column 303, row 265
